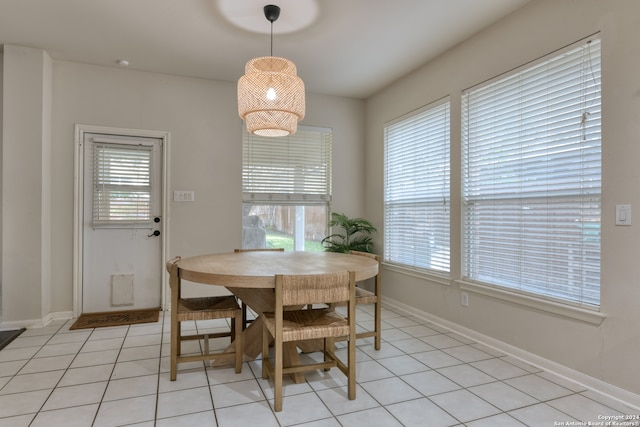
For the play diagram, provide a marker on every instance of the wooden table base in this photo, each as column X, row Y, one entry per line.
column 260, row 299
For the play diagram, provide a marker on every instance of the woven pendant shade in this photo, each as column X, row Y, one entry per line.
column 271, row 97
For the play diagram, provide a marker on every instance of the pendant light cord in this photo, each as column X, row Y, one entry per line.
column 271, row 38
column 271, row 12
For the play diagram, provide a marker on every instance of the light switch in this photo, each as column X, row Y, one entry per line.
column 623, row 214
column 183, row 196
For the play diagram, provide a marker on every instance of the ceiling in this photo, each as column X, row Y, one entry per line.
column 341, row 47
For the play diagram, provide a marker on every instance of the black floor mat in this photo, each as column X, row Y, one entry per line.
column 7, row 336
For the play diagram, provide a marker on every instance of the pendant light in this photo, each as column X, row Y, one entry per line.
column 270, row 94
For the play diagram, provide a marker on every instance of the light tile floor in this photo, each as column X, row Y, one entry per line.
column 424, row 375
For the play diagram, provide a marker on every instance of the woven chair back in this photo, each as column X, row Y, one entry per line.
column 315, row 288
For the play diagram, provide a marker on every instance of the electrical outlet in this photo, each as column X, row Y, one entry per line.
column 464, row 299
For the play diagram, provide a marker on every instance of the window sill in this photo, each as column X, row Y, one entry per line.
column 559, row 309
column 421, row 274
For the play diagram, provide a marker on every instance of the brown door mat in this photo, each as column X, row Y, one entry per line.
column 116, row 318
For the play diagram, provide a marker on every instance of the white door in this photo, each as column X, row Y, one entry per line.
column 122, row 206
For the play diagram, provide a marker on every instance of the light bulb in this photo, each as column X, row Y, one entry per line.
column 271, row 94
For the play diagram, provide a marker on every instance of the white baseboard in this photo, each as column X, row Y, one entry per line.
column 60, row 315
column 598, row 386
column 37, row 323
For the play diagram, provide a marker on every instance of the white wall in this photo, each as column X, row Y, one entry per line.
column 1, row 178
column 205, row 157
column 26, row 206
column 608, row 352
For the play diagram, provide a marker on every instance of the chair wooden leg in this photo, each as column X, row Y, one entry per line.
column 378, row 316
column 265, row 353
column 237, row 331
column 277, row 389
column 175, row 348
column 244, row 316
column 351, row 376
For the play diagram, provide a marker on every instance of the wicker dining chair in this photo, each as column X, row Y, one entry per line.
column 202, row 308
column 364, row 296
column 245, row 319
column 311, row 323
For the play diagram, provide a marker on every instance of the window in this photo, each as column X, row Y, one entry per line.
column 532, row 179
column 121, row 184
column 286, row 185
column 416, row 190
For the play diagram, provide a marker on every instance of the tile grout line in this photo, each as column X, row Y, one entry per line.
column 572, row 392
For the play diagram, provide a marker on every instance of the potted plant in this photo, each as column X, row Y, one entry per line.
column 349, row 234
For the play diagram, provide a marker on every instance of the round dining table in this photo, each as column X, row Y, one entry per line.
column 250, row 276
column 258, row 269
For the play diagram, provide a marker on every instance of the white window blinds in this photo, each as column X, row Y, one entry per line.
column 416, row 189
column 121, row 184
column 295, row 169
column 532, row 178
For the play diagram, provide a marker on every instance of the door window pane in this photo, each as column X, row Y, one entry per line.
column 121, row 184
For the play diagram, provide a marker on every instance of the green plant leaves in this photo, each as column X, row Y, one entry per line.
column 355, row 236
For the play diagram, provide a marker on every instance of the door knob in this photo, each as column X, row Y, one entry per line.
column 156, row 233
